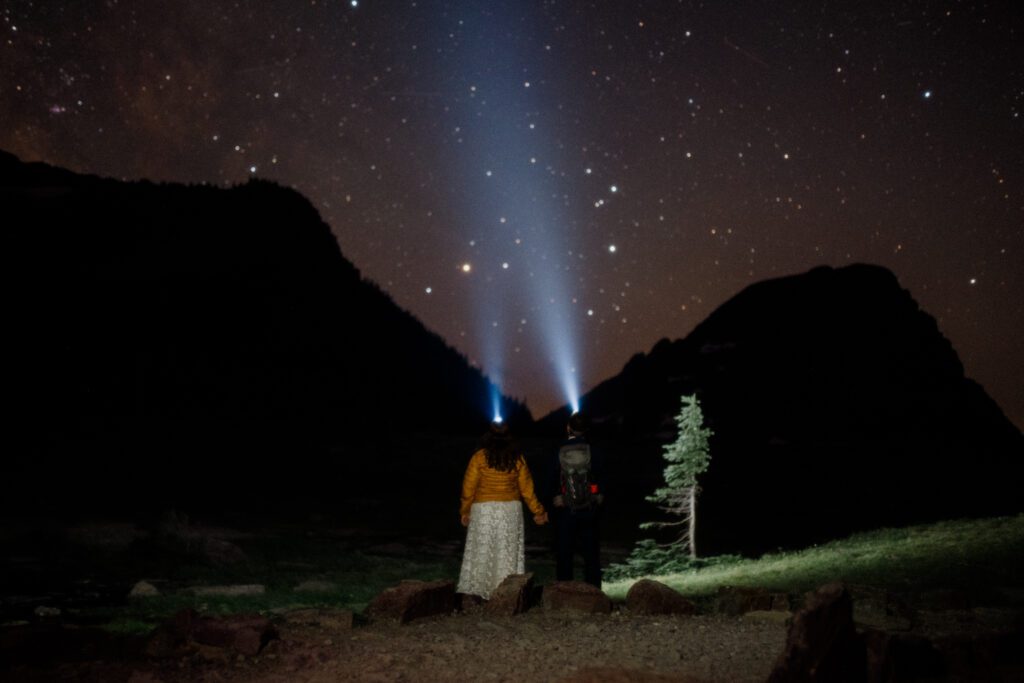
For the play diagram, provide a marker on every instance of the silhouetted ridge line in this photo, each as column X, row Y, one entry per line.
column 195, row 336
column 837, row 405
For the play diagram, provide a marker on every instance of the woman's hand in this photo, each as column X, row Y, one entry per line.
column 541, row 519
column 465, row 520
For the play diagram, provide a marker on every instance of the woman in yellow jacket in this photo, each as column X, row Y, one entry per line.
column 496, row 480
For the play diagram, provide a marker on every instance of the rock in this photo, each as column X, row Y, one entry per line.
column 229, row 591
column 143, row 589
column 413, row 600
column 512, row 596
column 901, row 657
column 171, row 638
column 316, row 586
column 577, row 596
column 651, row 597
column 244, row 634
column 736, row 600
column 44, row 611
column 222, row 553
column 822, row 644
column 324, row 618
column 173, row 523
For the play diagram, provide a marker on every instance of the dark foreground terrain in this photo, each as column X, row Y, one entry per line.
column 933, row 609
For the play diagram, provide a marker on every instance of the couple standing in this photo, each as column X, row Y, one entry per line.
column 498, row 480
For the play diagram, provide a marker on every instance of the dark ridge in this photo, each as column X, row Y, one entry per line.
column 186, row 344
column 837, row 406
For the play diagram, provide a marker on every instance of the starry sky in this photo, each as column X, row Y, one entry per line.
column 554, row 186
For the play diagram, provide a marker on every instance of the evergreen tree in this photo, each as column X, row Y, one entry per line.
column 688, row 457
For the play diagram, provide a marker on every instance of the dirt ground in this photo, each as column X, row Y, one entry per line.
column 537, row 646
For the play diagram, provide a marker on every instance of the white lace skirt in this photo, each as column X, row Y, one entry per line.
column 494, row 546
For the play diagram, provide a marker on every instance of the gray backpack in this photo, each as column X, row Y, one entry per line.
column 576, row 488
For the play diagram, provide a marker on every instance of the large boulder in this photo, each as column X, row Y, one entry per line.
column 172, row 637
column 576, row 596
column 651, row 597
column 243, row 633
column 143, row 589
column 512, row 596
column 413, row 600
column 822, row 644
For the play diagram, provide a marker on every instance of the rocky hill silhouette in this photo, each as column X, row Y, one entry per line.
column 837, row 406
column 187, row 343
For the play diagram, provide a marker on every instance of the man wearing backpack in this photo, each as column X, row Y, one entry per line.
column 576, row 503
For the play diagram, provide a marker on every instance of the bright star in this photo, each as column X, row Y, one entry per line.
column 612, row 248
column 466, row 267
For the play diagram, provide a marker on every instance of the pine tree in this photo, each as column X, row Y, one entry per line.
column 688, row 457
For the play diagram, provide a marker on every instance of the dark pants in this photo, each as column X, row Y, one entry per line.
column 578, row 530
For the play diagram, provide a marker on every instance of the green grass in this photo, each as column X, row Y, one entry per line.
column 978, row 555
column 358, row 576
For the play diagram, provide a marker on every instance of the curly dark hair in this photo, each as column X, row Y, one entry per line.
column 500, row 448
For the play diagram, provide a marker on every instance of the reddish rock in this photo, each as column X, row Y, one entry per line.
column 822, row 644
column 241, row 633
column 171, row 638
column 512, row 596
column 651, row 597
column 245, row 634
column 413, row 600
column 578, row 596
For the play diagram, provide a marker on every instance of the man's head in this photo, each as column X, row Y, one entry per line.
column 578, row 424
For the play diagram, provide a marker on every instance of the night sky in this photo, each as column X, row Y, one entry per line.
column 554, row 186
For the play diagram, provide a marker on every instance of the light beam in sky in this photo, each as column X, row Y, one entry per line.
column 508, row 202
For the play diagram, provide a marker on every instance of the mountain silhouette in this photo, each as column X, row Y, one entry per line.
column 193, row 342
column 837, row 405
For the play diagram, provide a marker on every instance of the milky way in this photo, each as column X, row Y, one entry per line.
column 638, row 162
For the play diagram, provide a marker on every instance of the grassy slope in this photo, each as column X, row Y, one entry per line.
column 981, row 556
column 978, row 555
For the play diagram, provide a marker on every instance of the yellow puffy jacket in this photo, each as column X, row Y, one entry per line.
column 482, row 484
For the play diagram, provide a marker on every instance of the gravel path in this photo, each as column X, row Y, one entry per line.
column 538, row 646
